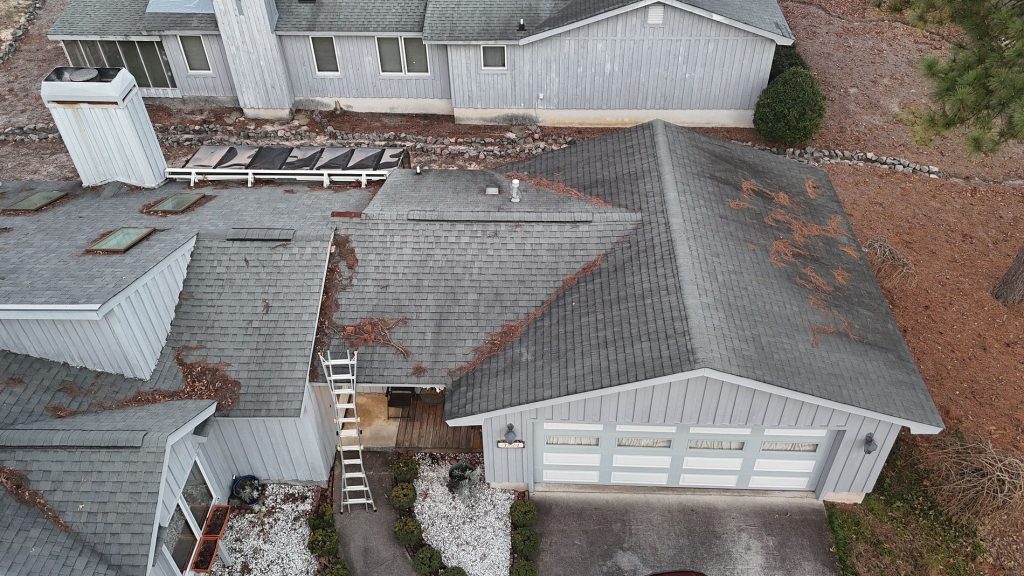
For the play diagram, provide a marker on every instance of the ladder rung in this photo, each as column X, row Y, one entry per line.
column 351, row 461
column 347, row 420
column 345, row 406
column 343, row 391
column 349, row 433
column 347, row 475
column 358, row 501
column 363, row 488
column 350, row 447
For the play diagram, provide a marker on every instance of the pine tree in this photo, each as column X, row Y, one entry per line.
column 980, row 85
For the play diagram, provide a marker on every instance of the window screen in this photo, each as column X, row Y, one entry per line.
column 630, row 442
column 789, row 446
column 324, row 55
column 715, row 445
column 494, row 56
column 195, row 53
column 154, row 66
column 415, row 56
column 112, row 54
column 390, row 52
column 75, row 55
column 573, row 441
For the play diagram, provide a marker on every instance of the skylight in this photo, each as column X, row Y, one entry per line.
column 120, row 240
column 36, row 201
column 176, row 203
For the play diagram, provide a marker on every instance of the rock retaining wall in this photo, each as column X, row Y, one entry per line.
column 8, row 47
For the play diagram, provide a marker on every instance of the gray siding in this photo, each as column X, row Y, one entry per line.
column 360, row 75
column 276, row 449
column 127, row 339
column 180, row 457
column 254, row 53
column 701, row 401
column 216, row 83
column 621, row 63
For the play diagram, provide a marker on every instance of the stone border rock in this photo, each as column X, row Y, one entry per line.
column 9, row 47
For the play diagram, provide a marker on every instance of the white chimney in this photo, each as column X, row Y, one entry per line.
column 515, row 190
column 104, row 124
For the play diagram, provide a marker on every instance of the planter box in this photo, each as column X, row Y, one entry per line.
column 217, row 521
column 206, row 555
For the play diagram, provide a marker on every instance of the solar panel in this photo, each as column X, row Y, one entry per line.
column 176, row 203
column 37, row 201
column 120, row 240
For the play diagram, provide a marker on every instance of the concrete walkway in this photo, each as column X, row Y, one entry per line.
column 640, row 534
column 368, row 544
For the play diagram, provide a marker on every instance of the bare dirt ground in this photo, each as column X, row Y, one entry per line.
column 21, row 74
column 969, row 348
column 12, row 14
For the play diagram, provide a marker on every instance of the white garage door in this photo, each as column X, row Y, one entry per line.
column 692, row 456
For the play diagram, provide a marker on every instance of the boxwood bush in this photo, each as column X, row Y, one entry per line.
column 334, row 568
column 403, row 496
column 453, row 571
column 322, row 519
column 405, row 470
column 526, row 541
column 323, row 542
column 408, row 531
column 523, row 568
column 790, row 110
column 786, row 57
column 523, row 513
column 426, row 560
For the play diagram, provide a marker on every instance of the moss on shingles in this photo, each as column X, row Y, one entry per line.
column 900, row 528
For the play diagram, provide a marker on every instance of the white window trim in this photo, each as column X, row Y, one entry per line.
column 206, row 53
column 401, row 51
column 487, row 68
column 337, row 58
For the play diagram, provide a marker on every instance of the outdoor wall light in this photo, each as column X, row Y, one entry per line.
column 510, row 440
column 869, row 443
column 510, row 433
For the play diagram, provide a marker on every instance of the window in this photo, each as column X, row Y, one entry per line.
column 573, row 441
column 325, row 55
column 120, row 240
column 176, row 203
column 715, row 445
column 197, row 495
column 493, row 57
column 656, row 14
column 146, row 60
column 179, row 538
column 643, row 442
column 36, row 201
column 403, row 55
column 789, row 446
column 195, row 53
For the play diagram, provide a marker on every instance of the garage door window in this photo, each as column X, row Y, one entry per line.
column 643, row 442
column 789, row 446
column 573, row 440
column 715, row 445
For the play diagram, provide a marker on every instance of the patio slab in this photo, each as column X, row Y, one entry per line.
column 377, row 430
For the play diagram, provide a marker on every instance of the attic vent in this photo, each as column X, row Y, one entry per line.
column 36, row 201
column 261, row 234
column 656, row 14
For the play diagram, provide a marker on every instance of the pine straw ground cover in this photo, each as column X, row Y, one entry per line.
column 470, row 528
column 269, row 538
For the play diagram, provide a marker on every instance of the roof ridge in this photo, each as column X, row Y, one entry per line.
column 674, row 216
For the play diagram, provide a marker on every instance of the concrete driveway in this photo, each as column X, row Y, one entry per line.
column 587, row 534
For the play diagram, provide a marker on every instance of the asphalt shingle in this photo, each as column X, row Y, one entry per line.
column 351, row 16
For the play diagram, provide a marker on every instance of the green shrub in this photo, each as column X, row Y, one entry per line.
column 523, row 568
column 334, row 568
column 453, row 571
column 786, row 57
column 405, row 470
column 790, row 110
column 426, row 560
column 523, row 513
column 526, row 541
column 403, row 496
column 321, row 519
column 408, row 531
column 323, row 543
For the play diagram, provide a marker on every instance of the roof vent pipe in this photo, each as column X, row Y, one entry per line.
column 522, row 25
column 515, row 190
column 418, row 171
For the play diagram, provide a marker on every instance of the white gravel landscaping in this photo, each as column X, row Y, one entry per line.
column 471, row 530
column 269, row 539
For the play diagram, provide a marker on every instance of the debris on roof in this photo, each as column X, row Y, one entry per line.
column 17, row 485
column 375, row 332
column 336, row 280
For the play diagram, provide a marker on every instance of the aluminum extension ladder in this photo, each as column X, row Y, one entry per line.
column 341, row 376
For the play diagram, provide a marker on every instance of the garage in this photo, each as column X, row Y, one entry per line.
column 681, row 456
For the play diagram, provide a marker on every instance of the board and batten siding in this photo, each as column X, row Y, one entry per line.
column 254, row 55
column 273, row 449
column 708, row 402
column 215, row 83
column 622, row 63
column 359, row 73
column 180, row 457
column 126, row 339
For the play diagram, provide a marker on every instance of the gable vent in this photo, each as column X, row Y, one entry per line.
column 656, row 14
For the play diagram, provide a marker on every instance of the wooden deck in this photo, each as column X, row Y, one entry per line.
column 428, row 431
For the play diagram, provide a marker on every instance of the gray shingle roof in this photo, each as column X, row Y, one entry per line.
column 351, row 16
column 694, row 288
column 106, row 492
column 124, row 18
column 498, row 20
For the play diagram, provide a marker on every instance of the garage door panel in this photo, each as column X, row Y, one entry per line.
column 571, row 459
column 702, row 463
column 641, row 461
column 644, row 478
column 709, row 480
column 780, row 482
column 806, row 466
column 571, row 476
